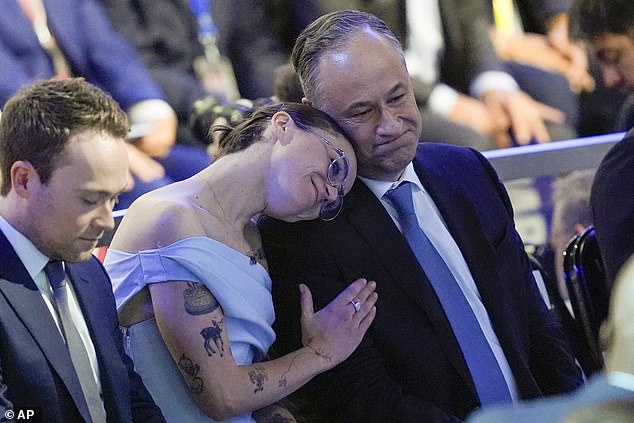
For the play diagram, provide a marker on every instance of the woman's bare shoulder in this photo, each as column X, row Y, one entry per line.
column 154, row 221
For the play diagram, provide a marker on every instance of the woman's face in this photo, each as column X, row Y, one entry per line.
column 310, row 172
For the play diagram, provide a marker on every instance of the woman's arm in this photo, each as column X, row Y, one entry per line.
column 198, row 342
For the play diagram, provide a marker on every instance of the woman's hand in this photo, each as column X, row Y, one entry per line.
column 336, row 330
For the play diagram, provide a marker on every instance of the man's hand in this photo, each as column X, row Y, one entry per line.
column 161, row 138
column 143, row 166
column 474, row 114
column 524, row 116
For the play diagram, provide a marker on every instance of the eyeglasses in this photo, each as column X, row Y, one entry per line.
column 337, row 175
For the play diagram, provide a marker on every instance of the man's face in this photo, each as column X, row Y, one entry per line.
column 365, row 87
column 70, row 213
column 616, row 56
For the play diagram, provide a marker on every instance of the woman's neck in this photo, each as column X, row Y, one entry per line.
column 232, row 187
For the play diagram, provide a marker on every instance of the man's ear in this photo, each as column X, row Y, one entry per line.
column 307, row 102
column 23, row 176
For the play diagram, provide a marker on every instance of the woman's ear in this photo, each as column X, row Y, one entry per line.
column 281, row 122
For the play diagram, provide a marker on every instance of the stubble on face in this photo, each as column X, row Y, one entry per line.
column 70, row 213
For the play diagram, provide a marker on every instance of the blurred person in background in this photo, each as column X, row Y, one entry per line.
column 615, row 383
column 608, row 28
column 40, row 39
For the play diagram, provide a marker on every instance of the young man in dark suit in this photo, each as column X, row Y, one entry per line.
column 417, row 362
column 64, row 162
column 608, row 27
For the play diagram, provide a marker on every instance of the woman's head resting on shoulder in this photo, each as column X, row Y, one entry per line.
column 311, row 163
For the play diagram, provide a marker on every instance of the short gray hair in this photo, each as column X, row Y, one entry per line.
column 328, row 33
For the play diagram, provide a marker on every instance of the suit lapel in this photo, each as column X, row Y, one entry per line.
column 89, row 302
column 91, row 298
column 375, row 225
column 25, row 298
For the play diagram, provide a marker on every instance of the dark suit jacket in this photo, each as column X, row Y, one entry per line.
column 35, row 367
column 535, row 14
column 409, row 366
column 92, row 48
column 612, row 202
column 165, row 34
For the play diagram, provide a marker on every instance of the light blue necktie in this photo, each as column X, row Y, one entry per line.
column 484, row 368
column 79, row 356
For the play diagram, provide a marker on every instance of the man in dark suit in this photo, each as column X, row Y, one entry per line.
column 411, row 366
column 608, row 26
column 63, row 164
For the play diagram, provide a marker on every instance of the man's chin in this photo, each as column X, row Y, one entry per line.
column 80, row 256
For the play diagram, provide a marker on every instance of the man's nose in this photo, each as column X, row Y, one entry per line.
column 611, row 76
column 104, row 218
column 389, row 123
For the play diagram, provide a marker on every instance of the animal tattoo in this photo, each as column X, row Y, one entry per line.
column 213, row 334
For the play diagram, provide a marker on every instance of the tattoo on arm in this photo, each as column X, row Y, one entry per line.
column 213, row 333
column 320, row 353
column 258, row 377
column 198, row 299
column 283, row 381
column 191, row 369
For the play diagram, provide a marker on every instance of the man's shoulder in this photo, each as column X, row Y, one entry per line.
column 622, row 150
column 431, row 152
column 616, row 166
column 451, row 162
column 92, row 270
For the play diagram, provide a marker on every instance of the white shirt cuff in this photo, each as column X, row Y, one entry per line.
column 442, row 99
column 493, row 81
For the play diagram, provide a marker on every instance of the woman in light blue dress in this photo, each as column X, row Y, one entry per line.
column 190, row 277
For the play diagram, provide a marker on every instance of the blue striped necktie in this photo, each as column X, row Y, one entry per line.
column 484, row 368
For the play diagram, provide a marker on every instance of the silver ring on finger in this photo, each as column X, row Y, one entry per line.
column 356, row 304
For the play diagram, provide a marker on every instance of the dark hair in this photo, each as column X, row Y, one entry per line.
column 38, row 121
column 250, row 130
column 328, row 33
column 286, row 86
column 591, row 18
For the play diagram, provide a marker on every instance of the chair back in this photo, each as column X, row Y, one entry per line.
column 588, row 292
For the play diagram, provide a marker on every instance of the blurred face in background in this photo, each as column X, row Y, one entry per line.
column 615, row 53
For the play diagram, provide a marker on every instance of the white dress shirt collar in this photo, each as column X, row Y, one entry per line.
column 379, row 188
column 32, row 258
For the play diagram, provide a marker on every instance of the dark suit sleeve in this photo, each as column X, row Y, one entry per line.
column 612, row 203
column 111, row 62
column 468, row 48
column 360, row 388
